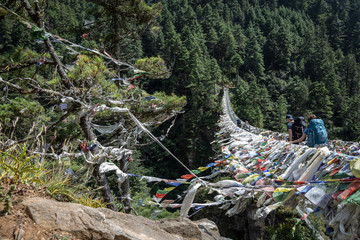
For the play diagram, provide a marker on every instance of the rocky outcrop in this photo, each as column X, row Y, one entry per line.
column 103, row 224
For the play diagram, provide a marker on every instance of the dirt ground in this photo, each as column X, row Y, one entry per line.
column 18, row 225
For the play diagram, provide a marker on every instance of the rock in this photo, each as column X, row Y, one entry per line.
column 104, row 224
column 19, row 234
column 199, row 230
column 209, row 227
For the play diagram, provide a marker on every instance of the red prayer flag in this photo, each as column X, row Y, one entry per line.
column 187, row 176
column 304, row 217
column 84, row 146
column 132, row 79
column 158, row 195
column 353, row 187
column 131, row 87
column 335, row 170
column 336, row 194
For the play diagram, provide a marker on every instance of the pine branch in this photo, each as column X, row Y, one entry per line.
column 10, row 68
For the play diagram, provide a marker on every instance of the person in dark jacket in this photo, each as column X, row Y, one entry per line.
column 290, row 126
column 316, row 130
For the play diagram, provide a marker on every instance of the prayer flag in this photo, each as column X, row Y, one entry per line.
column 281, row 194
column 187, row 176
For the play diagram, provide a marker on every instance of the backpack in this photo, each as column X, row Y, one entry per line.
column 298, row 128
column 317, row 132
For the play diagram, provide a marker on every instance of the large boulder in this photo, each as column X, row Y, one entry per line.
column 102, row 224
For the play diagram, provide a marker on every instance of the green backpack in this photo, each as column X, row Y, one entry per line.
column 317, row 132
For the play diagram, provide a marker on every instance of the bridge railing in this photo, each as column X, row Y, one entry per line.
column 246, row 126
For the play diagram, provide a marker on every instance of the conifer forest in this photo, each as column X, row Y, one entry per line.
column 83, row 82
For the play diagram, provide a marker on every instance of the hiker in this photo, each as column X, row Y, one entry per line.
column 299, row 126
column 289, row 126
column 315, row 131
column 238, row 122
column 247, row 125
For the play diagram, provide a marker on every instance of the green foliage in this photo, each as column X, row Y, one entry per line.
column 154, row 67
column 288, row 226
column 88, row 73
column 126, row 18
column 59, row 187
column 140, row 192
column 171, row 101
column 144, row 207
column 62, row 237
column 90, row 200
column 320, row 100
column 17, row 115
column 6, row 198
column 21, row 168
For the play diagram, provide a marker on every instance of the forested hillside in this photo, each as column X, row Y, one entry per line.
column 281, row 56
column 297, row 57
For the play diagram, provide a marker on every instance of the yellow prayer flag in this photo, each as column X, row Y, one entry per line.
column 202, row 168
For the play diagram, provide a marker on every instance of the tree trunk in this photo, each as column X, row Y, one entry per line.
column 99, row 177
column 60, row 69
column 125, row 189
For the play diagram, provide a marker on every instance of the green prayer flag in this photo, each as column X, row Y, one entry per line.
column 162, row 191
column 354, row 198
column 280, row 196
column 343, row 186
column 38, row 33
column 340, row 176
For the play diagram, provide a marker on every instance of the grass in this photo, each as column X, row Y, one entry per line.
column 90, row 200
column 19, row 167
column 59, row 187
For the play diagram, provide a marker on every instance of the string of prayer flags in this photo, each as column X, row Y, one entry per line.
column 36, row 32
column 92, row 111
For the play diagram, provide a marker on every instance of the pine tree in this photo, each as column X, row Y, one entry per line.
column 319, row 100
column 254, row 61
column 280, row 110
